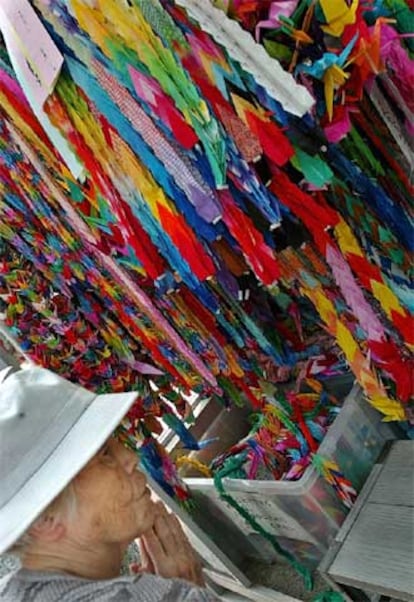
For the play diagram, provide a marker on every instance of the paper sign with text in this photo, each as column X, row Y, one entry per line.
column 28, row 40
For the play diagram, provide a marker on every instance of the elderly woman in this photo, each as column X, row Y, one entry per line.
column 72, row 499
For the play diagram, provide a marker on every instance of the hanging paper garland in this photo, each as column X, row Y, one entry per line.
column 217, row 220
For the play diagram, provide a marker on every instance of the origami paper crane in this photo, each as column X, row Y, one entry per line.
column 283, row 8
column 329, row 69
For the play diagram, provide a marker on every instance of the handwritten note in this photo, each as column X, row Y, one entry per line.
column 37, row 63
column 25, row 35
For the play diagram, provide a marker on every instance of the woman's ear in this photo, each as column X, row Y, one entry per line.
column 48, row 527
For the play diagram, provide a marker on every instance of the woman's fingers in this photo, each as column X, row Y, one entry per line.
column 177, row 529
column 165, row 533
column 169, row 550
column 146, row 563
column 187, row 560
column 155, row 552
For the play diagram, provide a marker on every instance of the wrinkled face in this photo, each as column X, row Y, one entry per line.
column 114, row 502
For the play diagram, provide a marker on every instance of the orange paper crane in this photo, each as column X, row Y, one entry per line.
column 367, row 53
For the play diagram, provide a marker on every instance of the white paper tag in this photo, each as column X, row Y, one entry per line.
column 27, row 38
column 37, row 62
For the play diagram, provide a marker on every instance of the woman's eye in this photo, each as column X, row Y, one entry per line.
column 106, row 451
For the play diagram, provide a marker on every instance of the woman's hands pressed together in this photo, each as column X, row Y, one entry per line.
column 166, row 551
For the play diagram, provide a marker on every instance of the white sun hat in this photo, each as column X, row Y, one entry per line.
column 49, row 429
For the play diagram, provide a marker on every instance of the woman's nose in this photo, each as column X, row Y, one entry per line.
column 126, row 457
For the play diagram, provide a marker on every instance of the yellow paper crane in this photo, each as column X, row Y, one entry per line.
column 338, row 14
column 333, row 78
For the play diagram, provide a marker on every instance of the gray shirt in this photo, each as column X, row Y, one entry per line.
column 35, row 586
